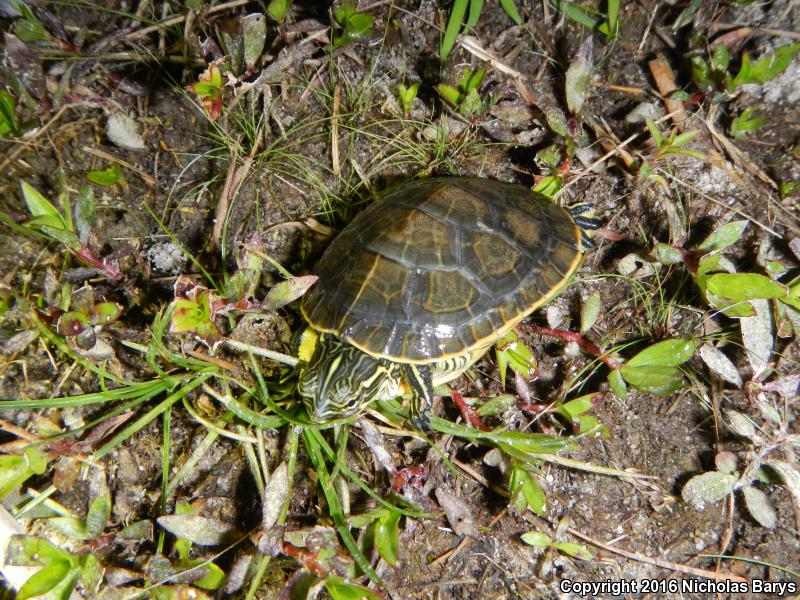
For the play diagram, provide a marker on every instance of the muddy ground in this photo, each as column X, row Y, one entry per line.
column 318, row 133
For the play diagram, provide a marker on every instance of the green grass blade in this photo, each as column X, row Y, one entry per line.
column 613, row 17
column 576, row 14
column 146, row 389
column 475, row 8
column 453, row 27
column 335, row 509
column 510, row 6
column 154, row 412
column 345, row 470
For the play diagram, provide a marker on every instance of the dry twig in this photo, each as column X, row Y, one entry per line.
column 665, row 82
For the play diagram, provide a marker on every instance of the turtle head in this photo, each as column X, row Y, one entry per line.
column 339, row 380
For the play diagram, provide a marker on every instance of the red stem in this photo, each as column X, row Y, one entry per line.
column 468, row 412
column 571, row 336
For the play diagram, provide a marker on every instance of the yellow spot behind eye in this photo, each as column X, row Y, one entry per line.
column 308, row 342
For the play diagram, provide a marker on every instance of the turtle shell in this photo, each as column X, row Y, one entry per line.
column 440, row 267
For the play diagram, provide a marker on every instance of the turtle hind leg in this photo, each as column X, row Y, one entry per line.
column 582, row 216
column 420, row 380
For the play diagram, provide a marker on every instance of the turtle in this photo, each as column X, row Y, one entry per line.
column 420, row 284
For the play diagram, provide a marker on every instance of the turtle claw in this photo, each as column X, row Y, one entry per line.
column 421, row 421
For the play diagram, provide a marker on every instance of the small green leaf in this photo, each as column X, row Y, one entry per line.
column 738, row 287
column 193, row 315
column 13, row 473
column 138, row 530
column 511, row 352
column 474, row 79
column 277, row 9
column 683, row 139
column 790, row 476
column 98, row 514
column 63, row 236
column 72, row 323
column 105, row 313
column 557, row 121
column 721, row 58
column 91, row 574
column 590, row 311
column 759, row 506
column 363, row 520
column 655, row 133
column 202, row 531
column 254, row 35
column 679, row 95
column 576, row 407
column 42, row 211
column 574, row 550
column 407, row 96
column 668, row 255
column 723, row 236
column 471, row 104
column 701, row 73
column 726, row 462
column 30, row 29
column 208, row 89
column 72, row 527
column 617, row 384
column 36, row 459
column 359, row 26
column 214, row 577
column 537, row 539
column 525, row 491
column 667, row 353
column 707, row 264
column 577, row 13
column 746, row 124
column 497, row 405
column 85, row 213
column 589, row 425
column 578, row 74
column 285, row 292
column 449, row 94
column 612, row 19
column 793, row 295
column 741, row 424
column 788, row 188
column 343, row 12
column 27, row 551
column 386, row 537
column 339, row 589
column 44, row 580
column 656, row 380
column 107, row 177
column 708, row 488
column 768, row 67
column 549, row 185
column 8, row 121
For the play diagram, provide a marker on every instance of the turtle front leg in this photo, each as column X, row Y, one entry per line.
column 420, row 381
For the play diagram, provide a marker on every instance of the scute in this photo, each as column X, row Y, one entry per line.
column 439, row 267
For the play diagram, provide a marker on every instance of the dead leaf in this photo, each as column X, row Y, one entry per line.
column 458, row 513
column 757, row 337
